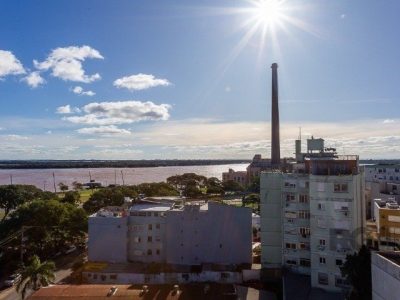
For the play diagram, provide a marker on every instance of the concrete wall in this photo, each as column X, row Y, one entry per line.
column 385, row 278
column 161, row 278
column 107, row 239
column 220, row 235
column 271, row 219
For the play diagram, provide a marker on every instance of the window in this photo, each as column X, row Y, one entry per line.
column 307, row 184
column 341, row 282
column 158, row 251
column 148, row 214
column 150, row 227
column 304, row 231
column 157, row 226
column 322, row 260
column 323, row 278
column 290, row 197
column 304, row 214
column 304, row 246
column 339, row 262
column 94, row 276
column 291, row 262
column 303, row 199
column 113, row 276
column 137, row 239
column 155, row 214
column 340, row 187
column 305, row 262
column 149, row 239
column 149, row 252
column 141, row 213
column 322, row 242
column 394, row 218
column 321, row 206
column 290, row 246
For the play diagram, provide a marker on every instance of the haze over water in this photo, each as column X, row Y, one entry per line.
column 43, row 178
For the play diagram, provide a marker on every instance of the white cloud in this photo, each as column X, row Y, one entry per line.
column 34, row 79
column 140, row 82
column 388, row 121
column 67, row 109
column 9, row 64
column 342, row 16
column 228, row 89
column 66, row 63
column 79, row 91
column 120, row 112
column 14, row 137
column 104, row 130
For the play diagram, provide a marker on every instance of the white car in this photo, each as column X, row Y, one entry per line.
column 12, row 280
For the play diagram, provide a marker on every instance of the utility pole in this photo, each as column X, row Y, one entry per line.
column 122, row 175
column 11, row 179
column 54, row 183
column 115, row 177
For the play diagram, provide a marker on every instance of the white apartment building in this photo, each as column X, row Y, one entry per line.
column 196, row 234
column 312, row 217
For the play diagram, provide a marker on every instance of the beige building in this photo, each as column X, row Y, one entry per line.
column 237, row 176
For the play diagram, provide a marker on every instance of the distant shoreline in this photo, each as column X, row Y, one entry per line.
column 84, row 164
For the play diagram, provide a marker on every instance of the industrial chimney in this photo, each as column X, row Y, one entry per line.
column 275, row 144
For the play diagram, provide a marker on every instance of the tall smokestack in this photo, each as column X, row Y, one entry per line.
column 275, row 143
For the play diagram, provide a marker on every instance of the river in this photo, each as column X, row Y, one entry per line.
column 43, row 178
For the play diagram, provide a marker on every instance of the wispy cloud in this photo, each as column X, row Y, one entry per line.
column 388, row 121
column 66, row 63
column 80, row 91
column 110, row 130
column 140, row 82
column 9, row 64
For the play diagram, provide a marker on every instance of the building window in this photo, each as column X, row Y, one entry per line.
column 304, row 246
column 290, row 197
column 158, row 251
column 304, row 214
column 291, row 262
column 94, row 276
column 322, row 260
column 155, row 214
column 149, row 252
column 157, row 226
column 149, row 239
column 339, row 262
column 141, row 213
column 322, row 242
column 149, row 214
column 321, row 206
column 323, row 278
column 113, row 276
column 137, row 239
column 341, row 282
column 340, row 187
column 304, row 231
column 150, row 227
column 290, row 245
column 305, row 262
column 303, row 199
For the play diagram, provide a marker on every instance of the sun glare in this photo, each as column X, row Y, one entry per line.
column 268, row 12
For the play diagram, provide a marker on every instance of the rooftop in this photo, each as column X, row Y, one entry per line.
column 393, row 256
column 132, row 292
column 158, row 207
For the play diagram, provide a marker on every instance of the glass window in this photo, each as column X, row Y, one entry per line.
column 149, row 239
column 323, row 278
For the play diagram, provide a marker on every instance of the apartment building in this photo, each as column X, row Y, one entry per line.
column 313, row 216
column 387, row 224
column 207, row 233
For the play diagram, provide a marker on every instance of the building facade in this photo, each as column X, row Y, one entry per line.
column 211, row 233
column 313, row 216
column 237, row 176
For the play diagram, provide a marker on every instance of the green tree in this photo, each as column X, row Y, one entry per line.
column 254, row 186
column 232, row 186
column 63, row 187
column 214, row 186
column 105, row 197
column 357, row 271
column 72, row 197
column 157, row 189
column 77, row 185
column 36, row 275
column 11, row 196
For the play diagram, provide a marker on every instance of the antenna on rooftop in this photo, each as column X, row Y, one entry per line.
column 300, row 133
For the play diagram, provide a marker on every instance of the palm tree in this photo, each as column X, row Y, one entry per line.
column 35, row 275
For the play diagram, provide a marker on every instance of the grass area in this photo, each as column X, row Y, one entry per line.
column 85, row 194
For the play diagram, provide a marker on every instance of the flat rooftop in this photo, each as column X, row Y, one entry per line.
column 158, row 207
column 393, row 256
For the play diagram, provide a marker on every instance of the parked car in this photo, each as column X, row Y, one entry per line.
column 12, row 280
column 70, row 249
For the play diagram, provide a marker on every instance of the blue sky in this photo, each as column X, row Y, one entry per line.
column 179, row 79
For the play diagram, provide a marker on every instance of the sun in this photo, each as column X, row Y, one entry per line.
column 268, row 12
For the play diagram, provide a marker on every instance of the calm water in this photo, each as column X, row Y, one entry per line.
column 43, row 178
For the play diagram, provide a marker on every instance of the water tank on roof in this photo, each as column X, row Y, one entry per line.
column 315, row 145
